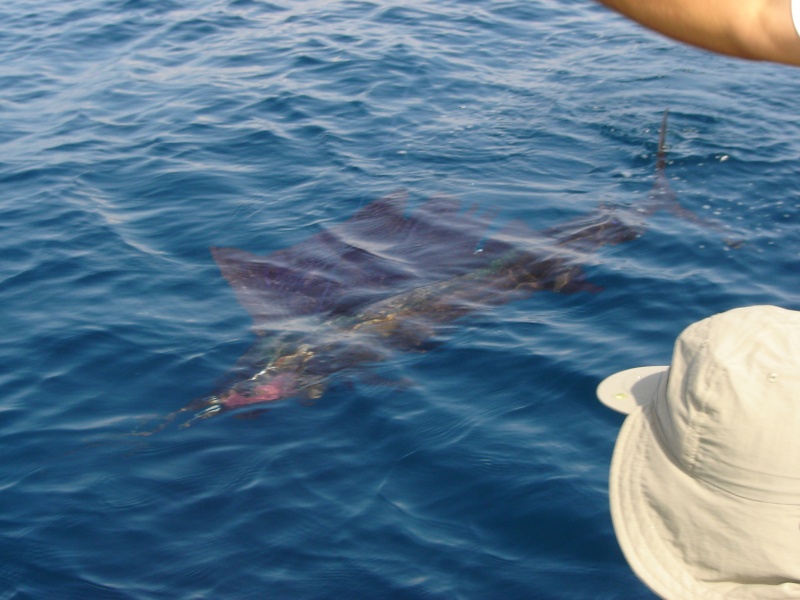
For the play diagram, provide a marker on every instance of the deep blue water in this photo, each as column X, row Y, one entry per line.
column 135, row 134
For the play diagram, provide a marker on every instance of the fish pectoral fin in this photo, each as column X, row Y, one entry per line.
column 250, row 414
column 574, row 287
column 574, row 281
column 396, row 383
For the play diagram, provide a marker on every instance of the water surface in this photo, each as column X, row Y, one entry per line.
column 137, row 134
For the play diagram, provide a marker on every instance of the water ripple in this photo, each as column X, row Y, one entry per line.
column 138, row 133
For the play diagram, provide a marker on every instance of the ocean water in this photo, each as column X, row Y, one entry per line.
column 136, row 134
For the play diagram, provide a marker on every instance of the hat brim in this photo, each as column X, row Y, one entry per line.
column 671, row 525
column 626, row 390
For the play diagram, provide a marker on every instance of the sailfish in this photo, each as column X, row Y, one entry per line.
column 388, row 279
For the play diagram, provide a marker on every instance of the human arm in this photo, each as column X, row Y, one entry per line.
column 752, row 29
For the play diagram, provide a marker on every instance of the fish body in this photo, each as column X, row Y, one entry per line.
column 385, row 281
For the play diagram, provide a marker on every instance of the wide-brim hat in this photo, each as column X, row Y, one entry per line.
column 705, row 476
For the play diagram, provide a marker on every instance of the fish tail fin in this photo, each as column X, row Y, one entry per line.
column 665, row 197
column 662, row 197
column 662, row 136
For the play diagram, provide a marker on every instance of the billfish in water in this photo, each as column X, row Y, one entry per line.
column 387, row 280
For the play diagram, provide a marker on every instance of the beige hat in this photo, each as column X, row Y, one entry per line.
column 705, row 477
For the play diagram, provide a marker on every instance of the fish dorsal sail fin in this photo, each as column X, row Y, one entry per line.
column 374, row 254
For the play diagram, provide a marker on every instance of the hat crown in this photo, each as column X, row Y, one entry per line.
column 730, row 414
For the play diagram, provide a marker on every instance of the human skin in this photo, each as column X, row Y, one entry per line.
column 751, row 29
